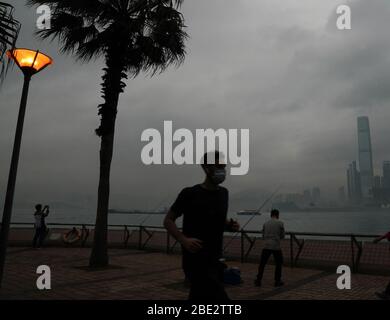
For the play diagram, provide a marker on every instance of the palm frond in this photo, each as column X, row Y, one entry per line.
column 132, row 36
column 9, row 31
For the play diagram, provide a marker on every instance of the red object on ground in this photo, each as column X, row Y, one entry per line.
column 387, row 235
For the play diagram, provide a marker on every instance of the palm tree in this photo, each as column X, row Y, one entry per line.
column 9, row 31
column 132, row 36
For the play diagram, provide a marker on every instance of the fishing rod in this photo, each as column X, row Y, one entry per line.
column 262, row 206
column 149, row 215
column 251, row 218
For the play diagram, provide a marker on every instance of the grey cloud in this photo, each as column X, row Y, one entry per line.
column 276, row 67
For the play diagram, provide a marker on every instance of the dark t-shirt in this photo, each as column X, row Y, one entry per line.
column 204, row 217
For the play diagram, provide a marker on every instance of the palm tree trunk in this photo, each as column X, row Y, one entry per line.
column 99, row 255
column 112, row 87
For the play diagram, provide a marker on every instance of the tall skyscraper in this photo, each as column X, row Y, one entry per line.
column 365, row 156
column 354, row 183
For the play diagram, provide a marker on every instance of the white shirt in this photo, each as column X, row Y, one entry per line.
column 39, row 218
column 273, row 232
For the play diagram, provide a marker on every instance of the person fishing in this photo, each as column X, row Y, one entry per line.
column 273, row 232
column 204, row 209
column 40, row 225
column 257, row 212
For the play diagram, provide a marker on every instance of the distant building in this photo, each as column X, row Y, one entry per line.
column 386, row 175
column 341, row 194
column 354, row 183
column 377, row 190
column 288, row 202
column 382, row 182
column 377, row 182
column 295, row 198
column 316, row 195
column 278, row 198
column 365, row 157
column 386, row 181
column 307, row 198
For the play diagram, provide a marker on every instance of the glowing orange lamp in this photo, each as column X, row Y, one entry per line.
column 30, row 62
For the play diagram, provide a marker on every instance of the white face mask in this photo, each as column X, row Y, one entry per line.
column 219, row 176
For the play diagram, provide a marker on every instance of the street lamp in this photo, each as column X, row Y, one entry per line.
column 30, row 62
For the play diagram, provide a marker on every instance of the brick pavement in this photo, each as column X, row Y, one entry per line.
column 140, row 275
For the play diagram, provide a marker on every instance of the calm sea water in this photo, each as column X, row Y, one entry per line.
column 366, row 222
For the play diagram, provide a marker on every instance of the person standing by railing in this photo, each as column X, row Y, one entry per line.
column 273, row 232
column 384, row 295
column 40, row 225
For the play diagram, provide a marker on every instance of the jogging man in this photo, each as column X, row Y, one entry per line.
column 204, row 210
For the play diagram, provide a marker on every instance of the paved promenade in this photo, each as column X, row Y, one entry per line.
column 154, row 275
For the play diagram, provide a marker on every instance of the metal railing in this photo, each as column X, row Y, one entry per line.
column 128, row 231
column 296, row 245
column 356, row 245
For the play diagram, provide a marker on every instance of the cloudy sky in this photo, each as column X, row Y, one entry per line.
column 277, row 67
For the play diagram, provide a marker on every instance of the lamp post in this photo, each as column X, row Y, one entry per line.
column 30, row 62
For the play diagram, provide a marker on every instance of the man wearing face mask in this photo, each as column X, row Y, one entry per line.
column 204, row 210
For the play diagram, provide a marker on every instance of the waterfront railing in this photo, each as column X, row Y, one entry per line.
column 241, row 247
